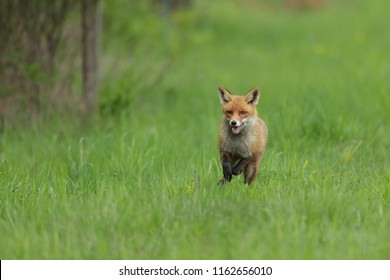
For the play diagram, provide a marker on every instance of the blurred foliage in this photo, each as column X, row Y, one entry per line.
column 31, row 38
column 149, row 40
column 142, row 41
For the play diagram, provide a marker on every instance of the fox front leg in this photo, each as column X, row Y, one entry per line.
column 250, row 170
column 226, row 168
column 240, row 165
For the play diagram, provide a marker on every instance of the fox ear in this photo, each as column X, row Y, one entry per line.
column 224, row 95
column 252, row 97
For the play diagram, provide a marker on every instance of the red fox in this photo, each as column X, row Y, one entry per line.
column 243, row 135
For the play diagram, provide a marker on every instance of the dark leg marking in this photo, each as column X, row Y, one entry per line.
column 226, row 168
column 240, row 165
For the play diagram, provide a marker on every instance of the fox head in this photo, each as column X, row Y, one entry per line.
column 239, row 111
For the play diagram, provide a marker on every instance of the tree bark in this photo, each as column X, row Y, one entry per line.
column 91, row 27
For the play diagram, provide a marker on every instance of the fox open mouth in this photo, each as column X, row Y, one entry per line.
column 237, row 129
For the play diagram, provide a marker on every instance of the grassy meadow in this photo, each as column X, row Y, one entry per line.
column 140, row 181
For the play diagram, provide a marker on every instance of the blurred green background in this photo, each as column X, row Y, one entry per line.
column 130, row 172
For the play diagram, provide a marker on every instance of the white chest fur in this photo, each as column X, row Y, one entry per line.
column 238, row 144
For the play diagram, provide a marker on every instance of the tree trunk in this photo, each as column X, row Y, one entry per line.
column 91, row 27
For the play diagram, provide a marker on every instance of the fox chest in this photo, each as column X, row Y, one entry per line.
column 237, row 145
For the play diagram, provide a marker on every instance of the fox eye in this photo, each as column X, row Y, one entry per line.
column 242, row 112
column 229, row 112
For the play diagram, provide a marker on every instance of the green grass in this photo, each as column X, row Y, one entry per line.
column 141, row 184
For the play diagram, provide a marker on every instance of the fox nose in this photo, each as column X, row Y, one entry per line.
column 233, row 122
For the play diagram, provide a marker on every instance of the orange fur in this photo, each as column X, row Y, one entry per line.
column 243, row 135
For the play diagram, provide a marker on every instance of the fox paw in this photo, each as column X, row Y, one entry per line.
column 222, row 182
column 236, row 171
